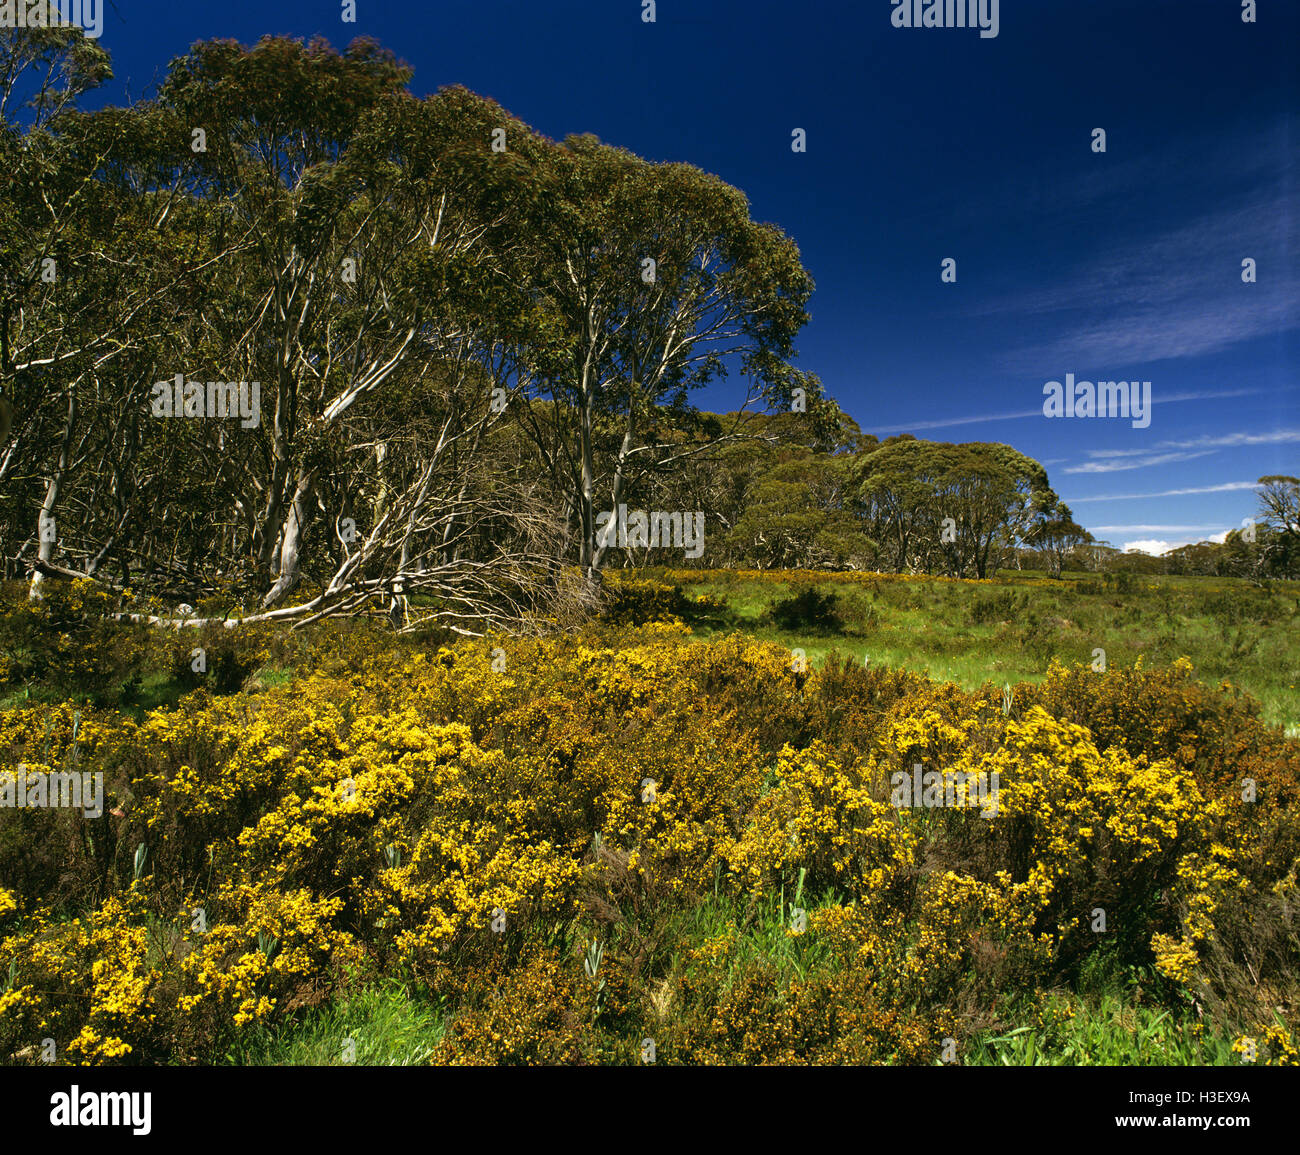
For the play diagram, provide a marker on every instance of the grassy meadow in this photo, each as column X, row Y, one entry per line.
column 663, row 836
column 1009, row 629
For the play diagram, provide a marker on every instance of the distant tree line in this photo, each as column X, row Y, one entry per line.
column 1267, row 547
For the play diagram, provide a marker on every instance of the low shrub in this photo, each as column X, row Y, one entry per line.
column 810, row 609
column 473, row 818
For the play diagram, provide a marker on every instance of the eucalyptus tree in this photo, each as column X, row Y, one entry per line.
column 989, row 491
column 367, row 304
column 939, row 507
column 78, row 302
column 801, row 515
column 897, row 484
column 1279, row 509
column 1057, row 535
column 652, row 280
column 43, row 71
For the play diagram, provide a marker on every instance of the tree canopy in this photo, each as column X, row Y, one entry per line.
column 289, row 333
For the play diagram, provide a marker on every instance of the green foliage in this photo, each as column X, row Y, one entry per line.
column 66, row 639
column 1003, row 605
column 639, row 602
column 1113, row 1031
column 809, row 608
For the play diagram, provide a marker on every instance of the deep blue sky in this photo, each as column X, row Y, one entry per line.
column 933, row 143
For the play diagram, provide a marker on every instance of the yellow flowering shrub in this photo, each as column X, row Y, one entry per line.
column 821, row 817
column 462, row 814
column 637, row 602
column 541, row 1013
column 1176, row 959
column 65, row 637
column 267, row 945
column 88, row 983
column 760, row 1017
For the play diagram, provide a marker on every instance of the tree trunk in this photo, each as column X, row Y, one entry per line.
column 46, row 541
column 286, row 576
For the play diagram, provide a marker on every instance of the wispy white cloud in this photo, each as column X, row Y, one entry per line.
column 1187, row 449
column 912, row 426
column 1226, row 487
column 1125, row 462
column 1149, row 333
column 1155, row 529
column 944, row 422
column 1208, row 441
column 1172, row 294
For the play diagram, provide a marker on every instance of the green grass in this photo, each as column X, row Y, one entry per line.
column 1011, row 629
column 763, row 930
column 388, row 1024
column 1108, row 1021
column 971, row 633
column 1108, row 1031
